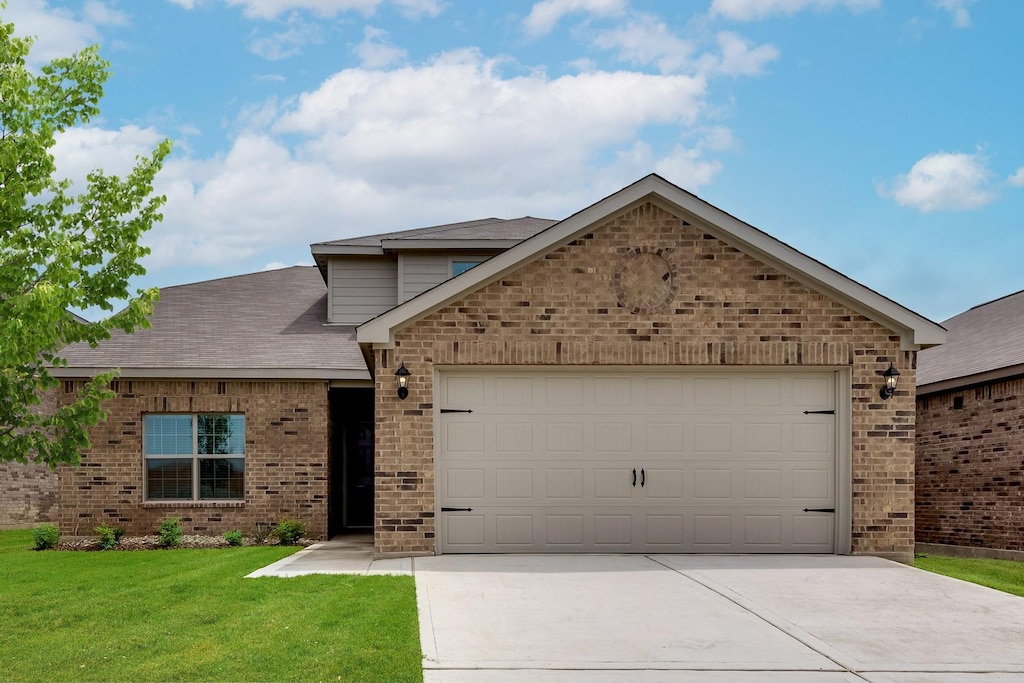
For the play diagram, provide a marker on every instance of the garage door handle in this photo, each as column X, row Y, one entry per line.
column 643, row 477
column 634, row 477
column 819, row 509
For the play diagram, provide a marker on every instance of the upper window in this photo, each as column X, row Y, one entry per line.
column 460, row 267
column 195, row 457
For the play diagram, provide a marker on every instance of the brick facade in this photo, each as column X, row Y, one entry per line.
column 29, row 495
column 970, row 467
column 286, row 458
column 593, row 302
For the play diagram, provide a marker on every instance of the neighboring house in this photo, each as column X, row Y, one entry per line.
column 970, row 431
column 648, row 375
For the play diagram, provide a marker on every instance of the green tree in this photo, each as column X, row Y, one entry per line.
column 60, row 251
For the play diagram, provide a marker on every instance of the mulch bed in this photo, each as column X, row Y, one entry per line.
column 153, row 543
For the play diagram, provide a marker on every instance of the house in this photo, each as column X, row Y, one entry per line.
column 970, row 433
column 650, row 374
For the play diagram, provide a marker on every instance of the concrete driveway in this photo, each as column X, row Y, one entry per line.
column 615, row 618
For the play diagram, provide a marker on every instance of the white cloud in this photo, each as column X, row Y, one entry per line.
column 645, row 39
column 375, row 150
column 59, row 32
column 943, row 181
column 375, row 52
column 278, row 265
column 80, row 150
column 415, row 9
column 187, row 4
column 1017, row 179
column 958, row 10
column 547, row 13
column 271, row 9
column 738, row 57
column 750, row 10
column 289, row 42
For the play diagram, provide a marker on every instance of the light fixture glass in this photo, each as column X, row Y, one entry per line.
column 403, row 375
column 891, row 377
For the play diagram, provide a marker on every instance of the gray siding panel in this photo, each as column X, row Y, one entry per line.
column 362, row 287
column 420, row 272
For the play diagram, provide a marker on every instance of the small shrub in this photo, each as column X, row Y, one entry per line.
column 45, row 536
column 288, row 531
column 170, row 533
column 234, row 537
column 110, row 536
column 263, row 531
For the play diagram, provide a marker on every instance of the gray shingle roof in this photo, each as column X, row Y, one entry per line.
column 483, row 229
column 267, row 324
column 986, row 338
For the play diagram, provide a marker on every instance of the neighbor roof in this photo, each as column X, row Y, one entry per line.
column 983, row 343
column 915, row 330
column 268, row 325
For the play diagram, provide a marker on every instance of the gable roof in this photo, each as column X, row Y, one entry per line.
column 268, row 325
column 984, row 343
column 915, row 330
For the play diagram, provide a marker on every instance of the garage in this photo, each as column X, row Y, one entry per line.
column 535, row 460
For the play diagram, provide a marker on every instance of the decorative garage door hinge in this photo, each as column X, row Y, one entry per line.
column 819, row 509
column 456, row 509
column 454, row 410
column 812, row 412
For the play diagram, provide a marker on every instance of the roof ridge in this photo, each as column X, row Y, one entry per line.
column 232, row 277
column 1000, row 298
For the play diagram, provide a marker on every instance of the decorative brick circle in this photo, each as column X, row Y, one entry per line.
column 645, row 282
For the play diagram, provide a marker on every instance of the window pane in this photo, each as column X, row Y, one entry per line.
column 460, row 267
column 168, row 434
column 222, row 478
column 221, row 434
column 169, row 478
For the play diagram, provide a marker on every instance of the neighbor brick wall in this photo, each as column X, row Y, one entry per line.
column 28, row 495
column 286, row 434
column 725, row 309
column 970, row 467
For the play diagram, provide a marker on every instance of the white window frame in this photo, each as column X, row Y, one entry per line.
column 194, row 458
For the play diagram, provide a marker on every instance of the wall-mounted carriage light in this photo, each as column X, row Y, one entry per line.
column 891, row 376
column 403, row 381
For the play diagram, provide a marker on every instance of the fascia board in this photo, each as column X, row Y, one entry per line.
column 967, row 381
column 448, row 245
column 215, row 373
column 341, row 250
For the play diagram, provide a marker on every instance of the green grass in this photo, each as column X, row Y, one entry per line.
column 189, row 615
column 1003, row 575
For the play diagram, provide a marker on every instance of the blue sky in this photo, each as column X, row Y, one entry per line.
column 882, row 137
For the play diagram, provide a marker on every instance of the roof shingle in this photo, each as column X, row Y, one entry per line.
column 270, row 323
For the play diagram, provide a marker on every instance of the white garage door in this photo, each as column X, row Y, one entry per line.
column 636, row 462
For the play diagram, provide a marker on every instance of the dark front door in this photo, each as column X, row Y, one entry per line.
column 351, row 460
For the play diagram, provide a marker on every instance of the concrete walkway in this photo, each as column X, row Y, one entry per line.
column 340, row 555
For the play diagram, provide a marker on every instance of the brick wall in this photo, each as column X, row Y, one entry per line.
column 28, row 495
column 286, row 458
column 970, row 461
column 604, row 300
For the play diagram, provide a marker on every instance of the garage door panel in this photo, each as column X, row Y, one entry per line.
column 724, row 462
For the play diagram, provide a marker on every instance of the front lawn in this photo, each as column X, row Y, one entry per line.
column 1004, row 575
column 189, row 615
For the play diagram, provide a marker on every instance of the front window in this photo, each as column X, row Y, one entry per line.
column 195, row 457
